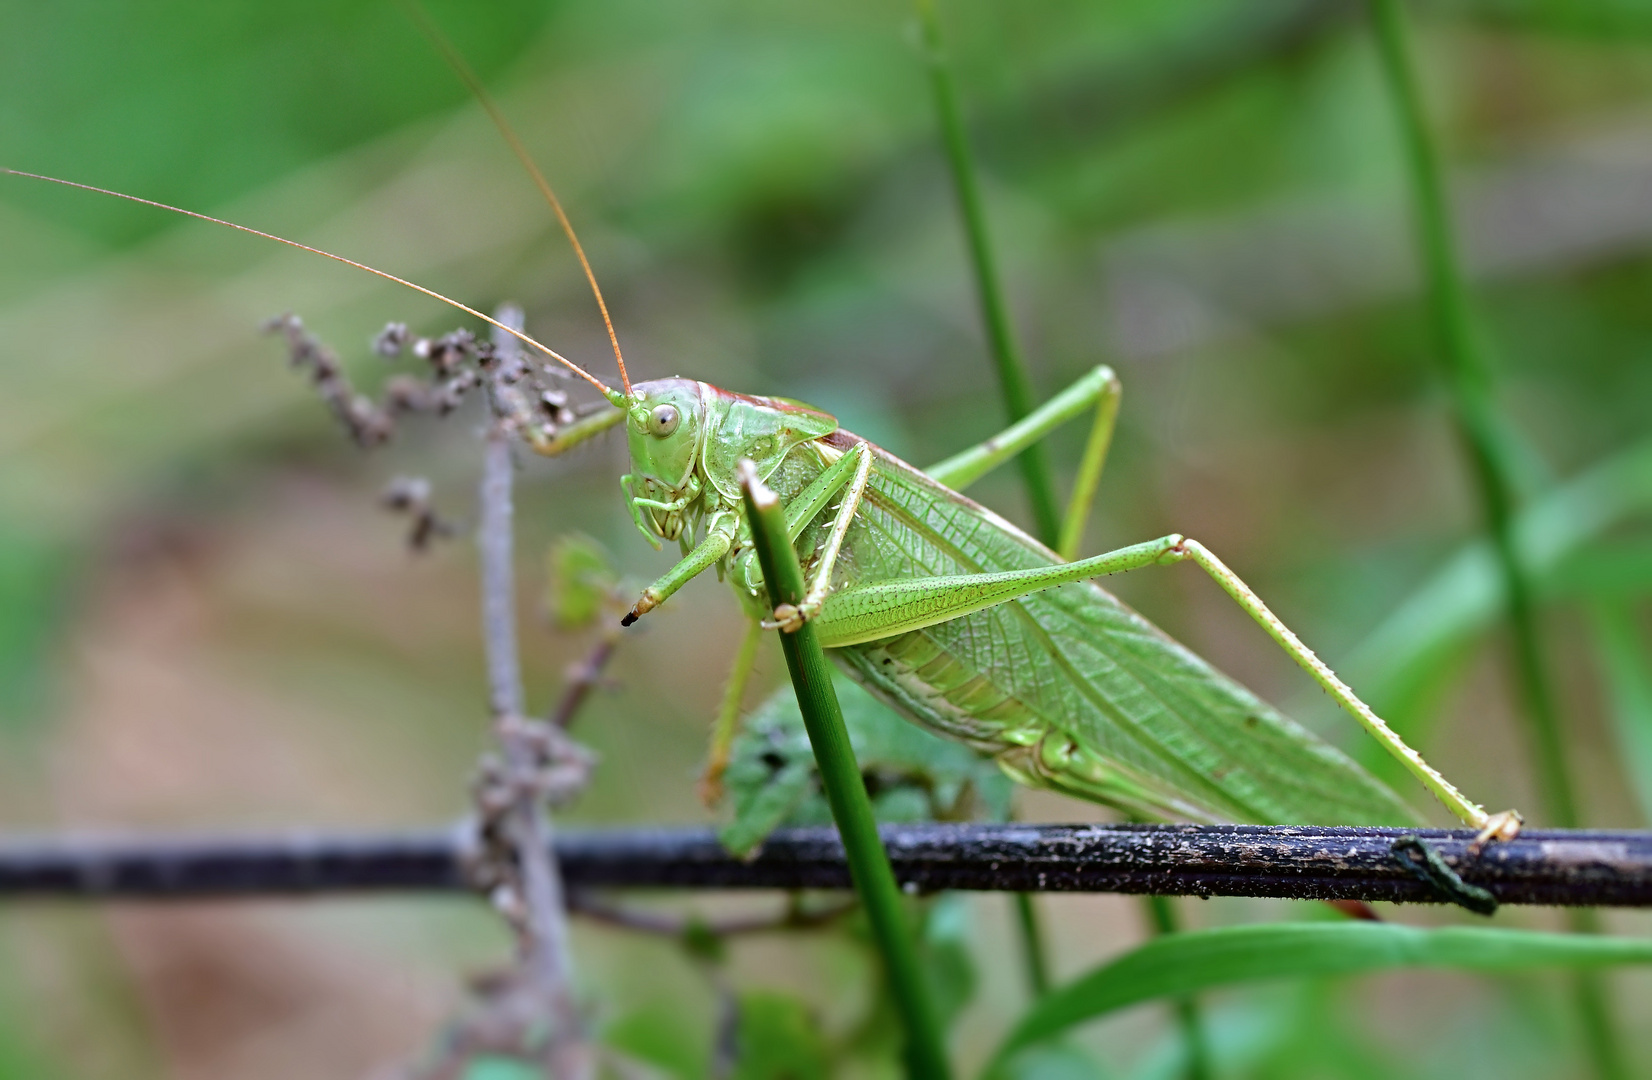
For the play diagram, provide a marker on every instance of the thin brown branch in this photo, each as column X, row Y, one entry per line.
column 527, row 884
column 1542, row 866
column 585, row 677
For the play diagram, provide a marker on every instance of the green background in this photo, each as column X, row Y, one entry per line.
column 205, row 621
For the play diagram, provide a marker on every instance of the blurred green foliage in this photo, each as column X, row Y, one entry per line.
column 910, row 774
column 205, row 622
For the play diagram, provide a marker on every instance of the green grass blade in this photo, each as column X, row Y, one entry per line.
column 1465, row 595
column 869, row 866
column 1484, row 431
column 1013, row 382
column 1180, row 964
column 1623, row 656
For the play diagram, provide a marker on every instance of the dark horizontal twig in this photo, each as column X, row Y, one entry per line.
column 1577, row 868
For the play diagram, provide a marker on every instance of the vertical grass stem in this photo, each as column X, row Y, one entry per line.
column 1006, row 354
column 1469, row 380
column 1013, row 382
column 1198, row 1060
column 869, row 865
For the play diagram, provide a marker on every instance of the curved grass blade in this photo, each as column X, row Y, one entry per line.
column 1402, row 656
column 1186, row 963
column 1623, row 653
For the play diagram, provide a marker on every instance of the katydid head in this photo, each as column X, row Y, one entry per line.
column 664, row 428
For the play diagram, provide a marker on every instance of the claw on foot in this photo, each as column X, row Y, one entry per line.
column 711, row 787
column 787, row 617
column 1504, row 826
column 643, row 606
column 791, row 617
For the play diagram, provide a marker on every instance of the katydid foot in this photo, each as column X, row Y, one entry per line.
column 646, row 603
column 1503, row 826
column 790, row 618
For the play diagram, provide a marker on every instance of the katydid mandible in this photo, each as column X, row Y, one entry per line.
column 961, row 621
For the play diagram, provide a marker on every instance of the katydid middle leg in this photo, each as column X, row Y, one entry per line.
column 728, row 717
column 1099, row 388
column 888, row 608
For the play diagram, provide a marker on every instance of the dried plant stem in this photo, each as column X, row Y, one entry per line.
column 1469, row 380
column 585, row 677
column 1544, row 867
column 546, row 961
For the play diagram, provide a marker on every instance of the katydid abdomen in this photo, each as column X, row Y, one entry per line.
column 1068, row 688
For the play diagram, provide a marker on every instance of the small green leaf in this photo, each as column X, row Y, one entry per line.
column 1186, row 963
column 580, row 578
column 779, row 1038
column 662, row 1035
column 912, row 775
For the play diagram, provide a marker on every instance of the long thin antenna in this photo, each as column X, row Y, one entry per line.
column 569, row 364
column 457, row 62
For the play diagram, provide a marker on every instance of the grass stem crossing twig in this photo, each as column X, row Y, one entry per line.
column 869, row 867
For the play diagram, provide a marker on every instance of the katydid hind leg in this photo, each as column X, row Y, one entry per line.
column 1098, row 388
column 1090, row 465
column 1500, row 826
column 728, row 717
column 888, row 608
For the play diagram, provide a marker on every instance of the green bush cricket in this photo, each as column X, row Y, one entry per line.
column 966, row 625
column 951, row 614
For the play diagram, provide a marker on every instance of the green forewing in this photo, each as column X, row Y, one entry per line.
column 1158, row 731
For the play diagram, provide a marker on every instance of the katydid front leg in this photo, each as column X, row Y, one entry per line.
column 788, row 617
column 884, row 609
column 550, row 442
column 720, row 533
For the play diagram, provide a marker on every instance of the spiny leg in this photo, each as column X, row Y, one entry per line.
column 1500, row 826
column 790, row 618
column 813, row 499
column 720, row 533
column 728, row 717
column 893, row 607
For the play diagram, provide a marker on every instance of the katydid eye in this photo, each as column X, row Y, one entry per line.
column 664, row 420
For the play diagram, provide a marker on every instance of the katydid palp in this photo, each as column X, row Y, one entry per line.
column 958, row 619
